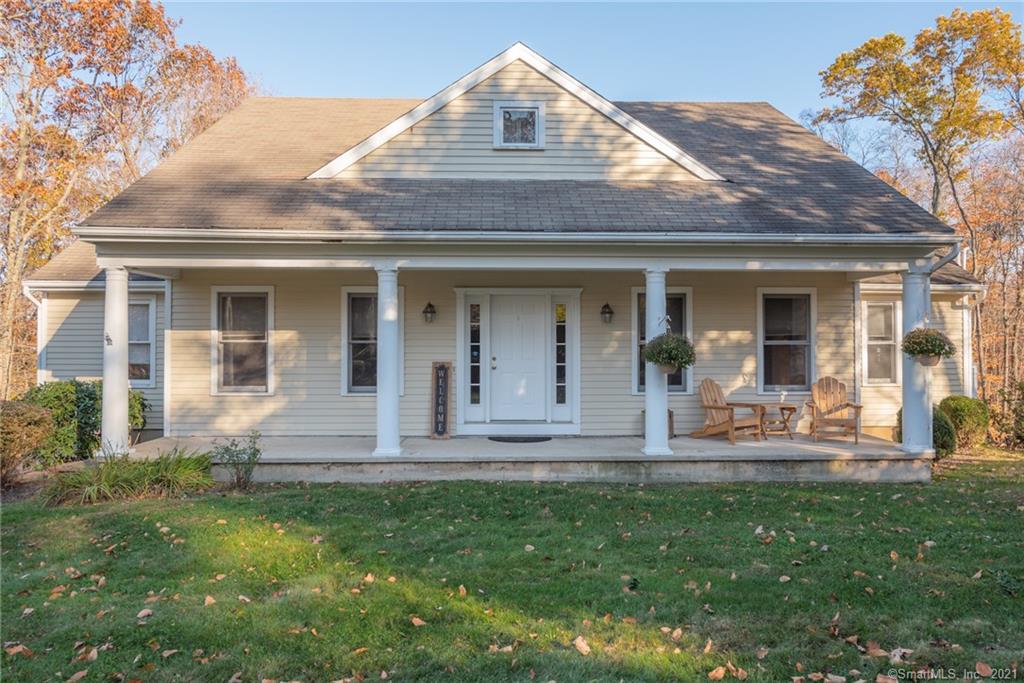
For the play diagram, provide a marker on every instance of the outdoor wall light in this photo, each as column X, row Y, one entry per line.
column 607, row 313
column 429, row 312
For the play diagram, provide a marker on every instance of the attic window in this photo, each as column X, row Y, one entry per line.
column 519, row 125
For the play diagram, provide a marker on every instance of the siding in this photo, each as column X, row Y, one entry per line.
column 74, row 343
column 307, row 352
column 882, row 402
column 457, row 141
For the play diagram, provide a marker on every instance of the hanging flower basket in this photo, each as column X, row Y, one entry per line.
column 928, row 346
column 670, row 352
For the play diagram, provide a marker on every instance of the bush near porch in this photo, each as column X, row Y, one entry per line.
column 77, row 408
column 514, row 582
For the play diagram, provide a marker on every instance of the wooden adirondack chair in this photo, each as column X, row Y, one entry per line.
column 720, row 415
column 831, row 412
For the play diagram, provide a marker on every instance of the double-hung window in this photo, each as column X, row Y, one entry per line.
column 786, row 340
column 881, row 344
column 141, row 346
column 677, row 309
column 359, row 339
column 243, row 322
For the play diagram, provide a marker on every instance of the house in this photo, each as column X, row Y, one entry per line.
column 299, row 267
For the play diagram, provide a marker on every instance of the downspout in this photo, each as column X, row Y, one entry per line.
column 40, row 305
column 952, row 254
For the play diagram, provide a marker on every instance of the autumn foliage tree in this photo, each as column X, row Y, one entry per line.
column 956, row 93
column 95, row 93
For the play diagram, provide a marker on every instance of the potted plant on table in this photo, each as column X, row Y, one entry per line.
column 928, row 346
column 670, row 352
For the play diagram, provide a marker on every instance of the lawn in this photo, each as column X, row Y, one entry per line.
column 492, row 582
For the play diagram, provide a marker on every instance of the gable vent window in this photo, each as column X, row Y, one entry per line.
column 519, row 125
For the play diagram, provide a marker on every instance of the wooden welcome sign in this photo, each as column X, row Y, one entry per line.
column 440, row 400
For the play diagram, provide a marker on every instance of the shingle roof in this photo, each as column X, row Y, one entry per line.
column 248, row 171
column 76, row 263
column 949, row 274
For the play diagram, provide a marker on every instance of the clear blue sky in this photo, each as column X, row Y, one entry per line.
column 625, row 51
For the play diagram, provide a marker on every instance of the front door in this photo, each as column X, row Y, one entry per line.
column 518, row 357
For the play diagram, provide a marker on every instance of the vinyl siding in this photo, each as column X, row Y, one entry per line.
column 308, row 357
column 457, row 141
column 74, row 343
column 882, row 402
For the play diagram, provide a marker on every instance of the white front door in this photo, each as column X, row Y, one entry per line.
column 518, row 363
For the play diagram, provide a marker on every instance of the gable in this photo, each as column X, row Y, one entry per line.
column 457, row 141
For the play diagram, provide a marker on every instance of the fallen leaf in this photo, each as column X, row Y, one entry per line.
column 208, row 600
column 528, row 548
column 717, row 674
column 144, row 613
column 784, row 579
column 835, row 678
column 581, row 645
column 983, row 669
column 875, row 650
column 761, row 653
column 882, row 678
column 243, row 599
column 222, row 521
column 977, row 574
column 707, row 646
column 462, row 591
column 74, row 678
column 18, row 649
column 416, row 621
column 26, row 612
column 167, row 653
column 677, row 634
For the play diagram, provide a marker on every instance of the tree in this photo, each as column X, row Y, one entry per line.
column 95, row 93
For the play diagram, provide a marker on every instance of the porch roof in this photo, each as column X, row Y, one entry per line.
column 248, row 171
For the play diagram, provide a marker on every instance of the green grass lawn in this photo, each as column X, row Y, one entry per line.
column 492, row 582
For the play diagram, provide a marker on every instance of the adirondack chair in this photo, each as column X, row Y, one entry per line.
column 720, row 415
column 831, row 412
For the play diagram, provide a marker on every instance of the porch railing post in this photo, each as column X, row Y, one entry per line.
column 655, row 381
column 114, row 421
column 917, row 412
column 388, row 358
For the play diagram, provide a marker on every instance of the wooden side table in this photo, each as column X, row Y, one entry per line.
column 780, row 424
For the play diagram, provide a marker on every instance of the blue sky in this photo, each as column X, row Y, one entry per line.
column 625, row 51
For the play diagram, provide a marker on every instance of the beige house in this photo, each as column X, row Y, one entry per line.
column 302, row 266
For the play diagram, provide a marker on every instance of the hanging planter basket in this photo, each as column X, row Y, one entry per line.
column 669, row 369
column 927, row 346
column 670, row 352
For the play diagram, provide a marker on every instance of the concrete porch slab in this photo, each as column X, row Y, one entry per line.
column 331, row 458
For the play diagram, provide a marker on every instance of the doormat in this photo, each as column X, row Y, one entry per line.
column 519, row 439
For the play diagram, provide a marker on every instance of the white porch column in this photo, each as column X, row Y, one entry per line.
column 388, row 356
column 917, row 409
column 655, row 381
column 114, row 425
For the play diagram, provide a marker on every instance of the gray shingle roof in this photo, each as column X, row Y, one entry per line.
column 248, row 171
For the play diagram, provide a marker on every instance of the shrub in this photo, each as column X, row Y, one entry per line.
column 23, row 429
column 240, row 457
column 1010, row 421
column 118, row 477
column 943, row 432
column 77, row 409
column 970, row 419
column 670, row 349
column 927, row 342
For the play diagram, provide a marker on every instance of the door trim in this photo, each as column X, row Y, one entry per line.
column 550, row 426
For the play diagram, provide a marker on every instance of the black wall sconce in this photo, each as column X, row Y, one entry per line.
column 607, row 313
column 429, row 313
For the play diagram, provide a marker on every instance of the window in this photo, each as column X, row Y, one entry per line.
column 786, row 351
column 882, row 357
column 474, row 354
column 677, row 309
column 359, row 340
column 141, row 349
column 243, row 320
column 561, row 354
column 519, row 125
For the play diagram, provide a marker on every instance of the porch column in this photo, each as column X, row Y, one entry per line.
column 655, row 381
column 114, row 424
column 387, row 362
column 917, row 410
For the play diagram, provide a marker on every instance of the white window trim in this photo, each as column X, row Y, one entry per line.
column 150, row 302
column 539, row 105
column 635, row 338
column 812, row 342
column 370, row 289
column 897, row 332
column 215, row 292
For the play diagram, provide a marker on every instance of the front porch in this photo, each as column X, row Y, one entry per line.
column 606, row 459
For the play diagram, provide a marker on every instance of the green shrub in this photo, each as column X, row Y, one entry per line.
column 77, row 409
column 970, row 419
column 23, row 429
column 927, row 342
column 943, row 432
column 1010, row 421
column 239, row 457
column 670, row 349
column 119, row 477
